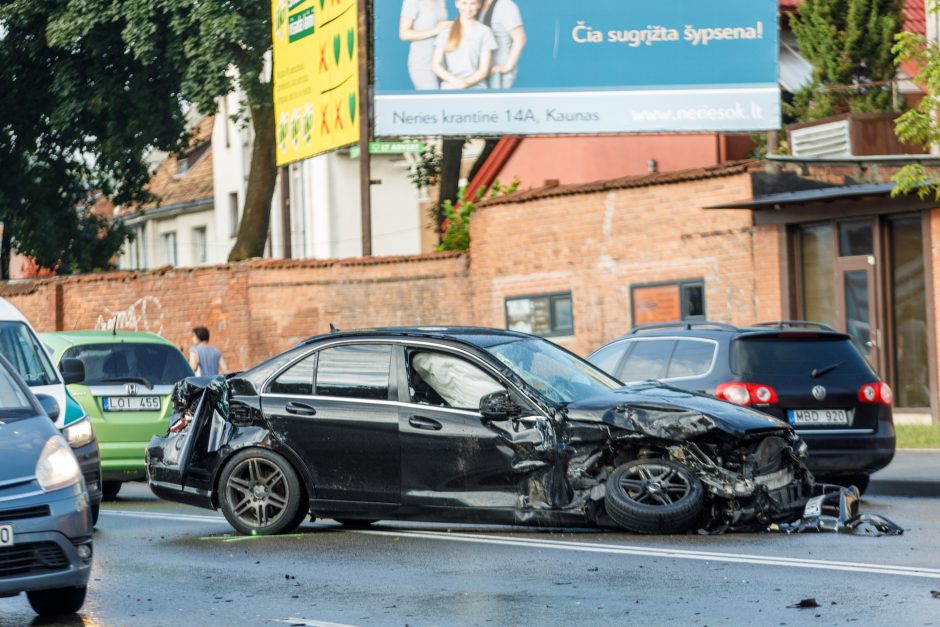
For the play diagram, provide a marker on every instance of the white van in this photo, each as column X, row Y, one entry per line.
column 21, row 347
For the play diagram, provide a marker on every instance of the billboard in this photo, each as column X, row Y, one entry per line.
column 460, row 67
column 316, row 79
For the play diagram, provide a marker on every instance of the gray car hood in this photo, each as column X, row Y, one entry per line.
column 669, row 413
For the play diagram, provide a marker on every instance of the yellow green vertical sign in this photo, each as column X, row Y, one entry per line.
column 316, row 80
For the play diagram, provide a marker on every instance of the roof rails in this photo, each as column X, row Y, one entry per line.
column 796, row 324
column 721, row 326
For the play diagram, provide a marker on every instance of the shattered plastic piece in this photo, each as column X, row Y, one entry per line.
column 805, row 604
column 935, row 594
column 836, row 510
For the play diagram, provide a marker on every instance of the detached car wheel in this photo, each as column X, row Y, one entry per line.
column 58, row 601
column 654, row 496
column 260, row 493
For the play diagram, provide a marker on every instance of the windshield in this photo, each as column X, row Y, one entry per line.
column 149, row 364
column 553, row 371
column 23, row 351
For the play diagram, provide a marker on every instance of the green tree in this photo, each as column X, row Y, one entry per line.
column 919, row 125
column 457, row 215
column 849, row 44
column 75, row 119
column 87, row 87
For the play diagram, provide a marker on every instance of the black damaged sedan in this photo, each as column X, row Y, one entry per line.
column 471, row 425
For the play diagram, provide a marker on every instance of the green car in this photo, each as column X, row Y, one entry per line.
column 126, row 393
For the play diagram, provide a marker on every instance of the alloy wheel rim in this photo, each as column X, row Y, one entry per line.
column 654, row 484
column 258, row 490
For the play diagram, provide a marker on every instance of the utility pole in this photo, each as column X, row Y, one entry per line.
column 365, row 173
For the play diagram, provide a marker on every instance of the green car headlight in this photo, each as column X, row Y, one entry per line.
column 79, row 433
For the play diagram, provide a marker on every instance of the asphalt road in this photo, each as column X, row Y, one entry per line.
column 159, row 563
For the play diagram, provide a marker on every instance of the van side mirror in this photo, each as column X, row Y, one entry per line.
column 49, row 405
column 73, row 370
column 498, row 406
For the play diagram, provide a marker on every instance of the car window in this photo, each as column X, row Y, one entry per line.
column 608, row 357
column 298, row 379
column 691, row 358
column 447, row 380
column 772, row 355
column 22, row 349
column 354, row 371
column 112, row 363
column 647, row 360
column 13, row 401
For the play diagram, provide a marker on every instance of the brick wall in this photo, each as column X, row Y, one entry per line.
column 254, row 309
column 599, row 244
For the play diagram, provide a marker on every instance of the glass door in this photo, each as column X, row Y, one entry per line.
column 856, row 305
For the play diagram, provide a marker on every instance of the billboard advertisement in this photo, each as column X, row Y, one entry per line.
column 462, row 67
column 316, row 80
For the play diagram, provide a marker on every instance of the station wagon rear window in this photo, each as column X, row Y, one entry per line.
column 110, row 364
column 797, row 355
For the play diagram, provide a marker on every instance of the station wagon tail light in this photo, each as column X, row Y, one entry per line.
column 878, row 392
column 746, row 393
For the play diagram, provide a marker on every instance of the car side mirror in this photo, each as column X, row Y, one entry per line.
column 49, row 405
column 73, row 370
column 498, row 406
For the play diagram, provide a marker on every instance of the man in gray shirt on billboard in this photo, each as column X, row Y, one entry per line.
column 206, row 360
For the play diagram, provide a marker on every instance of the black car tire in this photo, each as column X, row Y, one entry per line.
column 58, row 601
column 859, row 480
column 109, row 490
column 260, row 493
column 355, row 523
column 654, row 496
column 95, row 511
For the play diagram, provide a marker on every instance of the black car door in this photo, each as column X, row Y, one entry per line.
column 336, row 410
column 451, row 456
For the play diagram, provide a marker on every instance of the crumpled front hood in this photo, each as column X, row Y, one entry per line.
column 667, row 412
column 21, row 441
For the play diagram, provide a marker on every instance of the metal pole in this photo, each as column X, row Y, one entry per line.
column 365, row 174
column 285, row 211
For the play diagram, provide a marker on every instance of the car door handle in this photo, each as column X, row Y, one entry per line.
column 300, row 409
column 420, row 422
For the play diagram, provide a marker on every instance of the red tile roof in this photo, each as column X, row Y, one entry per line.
column 643, row 180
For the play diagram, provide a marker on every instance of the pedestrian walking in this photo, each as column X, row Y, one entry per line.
column 204, row 358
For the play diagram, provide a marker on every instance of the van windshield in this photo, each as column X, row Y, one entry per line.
column 22, row 350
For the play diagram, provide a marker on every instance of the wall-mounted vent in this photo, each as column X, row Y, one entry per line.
column 822, row 140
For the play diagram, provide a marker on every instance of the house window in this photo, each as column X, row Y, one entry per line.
column 233, row 214
column 200, row 245
column 546, row 315
column 169, row 247
column 668, row 301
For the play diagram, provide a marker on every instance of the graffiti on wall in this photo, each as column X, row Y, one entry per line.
column 146, row 314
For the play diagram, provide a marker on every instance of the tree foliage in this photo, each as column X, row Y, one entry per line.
column 920, row 125
column 87, row 87
column 457, row 215
column 849, row 44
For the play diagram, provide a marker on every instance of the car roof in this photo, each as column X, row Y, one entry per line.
column 8, row 311
column 721, row 331
column 478, row 336
column 78, row 338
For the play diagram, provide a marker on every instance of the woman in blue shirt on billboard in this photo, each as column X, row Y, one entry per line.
column 463, row 55
column 421, row 21
column 503, row 17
